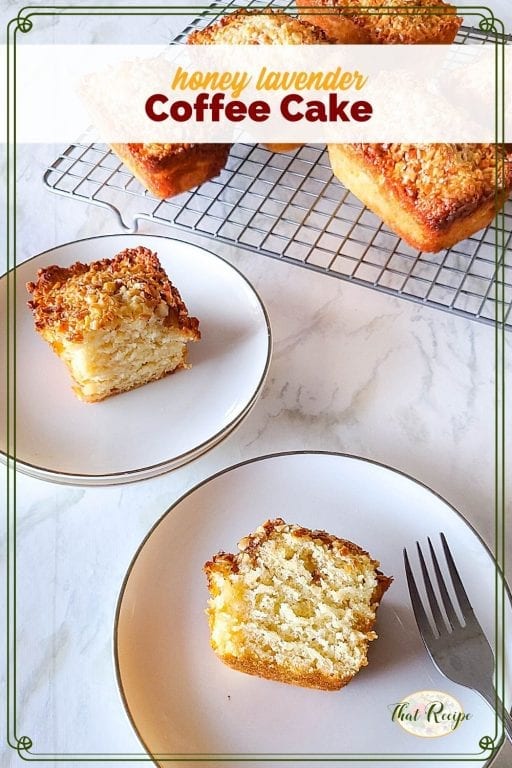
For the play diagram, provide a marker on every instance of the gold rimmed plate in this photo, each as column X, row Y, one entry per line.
column 157, row 427
column 184, row 703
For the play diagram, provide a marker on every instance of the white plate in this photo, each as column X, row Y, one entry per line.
column 182, row 700
column 157, row 427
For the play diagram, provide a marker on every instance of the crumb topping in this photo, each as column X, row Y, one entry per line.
column 159, row 151
column 410, row 25
column 441, row 180
column 249, row 545
column 72, row 301
column 258, row 28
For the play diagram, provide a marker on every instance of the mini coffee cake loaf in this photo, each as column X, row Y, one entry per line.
column 116, row 323
column 260, row 27
column 294, row 605
column 166, row 170
column 425, row 21
column 432, row 195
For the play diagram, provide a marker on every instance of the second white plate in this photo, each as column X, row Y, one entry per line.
column 184, row 702
column 164, row 424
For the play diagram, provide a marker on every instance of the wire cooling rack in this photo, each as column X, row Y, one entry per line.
column 290, row 207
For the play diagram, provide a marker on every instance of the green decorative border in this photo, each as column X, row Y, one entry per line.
column 23, row 23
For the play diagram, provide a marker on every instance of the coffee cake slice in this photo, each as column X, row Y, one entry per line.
column 117, row 323
column 294, row 605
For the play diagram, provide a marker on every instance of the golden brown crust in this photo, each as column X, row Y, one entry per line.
column 337, row 28
column 258, row 27
column 71, row 301
column 406, row 26
column 252, row 666
column 225, row 562
column 443, row 181
column 432, row 195
column 251, row 543
column 167, row 170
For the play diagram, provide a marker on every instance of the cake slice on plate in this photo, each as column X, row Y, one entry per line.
column 117, row 323
column 294, row 605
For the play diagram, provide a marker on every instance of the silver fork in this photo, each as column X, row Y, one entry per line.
column 461, row 652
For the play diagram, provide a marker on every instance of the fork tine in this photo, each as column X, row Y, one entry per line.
column 417, row 605
column 453, row 619
column 458, row 586
column 432, row 599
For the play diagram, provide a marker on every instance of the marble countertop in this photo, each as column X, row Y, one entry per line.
column 352, row 371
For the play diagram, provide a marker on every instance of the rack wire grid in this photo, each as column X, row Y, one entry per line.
column 289, row 206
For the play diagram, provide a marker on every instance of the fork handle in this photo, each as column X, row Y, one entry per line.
column 492, row 698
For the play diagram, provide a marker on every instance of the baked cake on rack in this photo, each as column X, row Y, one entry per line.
column 425, row 22
column 432, row 195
